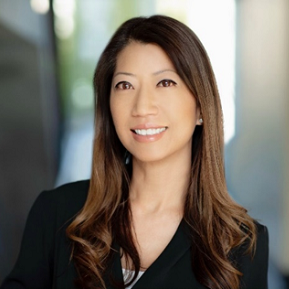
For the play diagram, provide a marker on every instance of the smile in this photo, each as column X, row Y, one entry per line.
column 150, row 131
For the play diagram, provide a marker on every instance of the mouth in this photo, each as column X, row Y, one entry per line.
column 149, row 131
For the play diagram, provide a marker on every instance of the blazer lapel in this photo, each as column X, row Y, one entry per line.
column 172, row 269
column 113, row 277
column 158, row 272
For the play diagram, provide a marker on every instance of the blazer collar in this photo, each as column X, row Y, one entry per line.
column 177, row 247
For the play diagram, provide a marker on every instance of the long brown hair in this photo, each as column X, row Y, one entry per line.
column 216, row 222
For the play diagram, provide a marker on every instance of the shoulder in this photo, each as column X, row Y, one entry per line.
column 254, row 267
column 62, row 202
column 45, row 249
column 262, row 237
column 67, row 193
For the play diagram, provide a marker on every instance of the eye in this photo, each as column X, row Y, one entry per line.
column 166, row 83
column 123, row 85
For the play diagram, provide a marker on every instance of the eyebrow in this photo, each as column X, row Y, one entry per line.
column 124, row 73
column 155, row 73
column 164, row 70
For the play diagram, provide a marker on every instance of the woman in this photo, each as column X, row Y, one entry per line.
column 156, row 212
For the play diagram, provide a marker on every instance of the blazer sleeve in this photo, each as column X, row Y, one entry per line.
column 255, row 269
column 32, row 269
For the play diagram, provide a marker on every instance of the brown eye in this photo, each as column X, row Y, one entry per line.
column 123, row 85
column 166, row 83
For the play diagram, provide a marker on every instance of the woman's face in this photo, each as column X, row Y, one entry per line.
column 153, row 111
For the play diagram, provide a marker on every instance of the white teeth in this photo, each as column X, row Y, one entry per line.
column 150, row 131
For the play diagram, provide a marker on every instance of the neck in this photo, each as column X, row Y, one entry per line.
column 161, row 185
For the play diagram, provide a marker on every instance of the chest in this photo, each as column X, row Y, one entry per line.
column 171, row 269
column 151, row 239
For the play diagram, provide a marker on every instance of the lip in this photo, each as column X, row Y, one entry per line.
column 148, row 138
column 147, row 126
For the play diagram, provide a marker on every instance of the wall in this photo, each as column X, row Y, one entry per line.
column 257, row 169
column 29, row 120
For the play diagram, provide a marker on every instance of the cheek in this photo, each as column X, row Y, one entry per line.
column 187, row 111
column 119, row 119
column 120, row 108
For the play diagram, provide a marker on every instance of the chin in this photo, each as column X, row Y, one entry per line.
column 148, row 158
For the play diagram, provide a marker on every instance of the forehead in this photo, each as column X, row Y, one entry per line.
column 143, row 56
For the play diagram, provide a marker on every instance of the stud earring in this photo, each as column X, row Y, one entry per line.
column 201, row 121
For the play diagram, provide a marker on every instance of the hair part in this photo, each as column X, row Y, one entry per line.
column 216, row 222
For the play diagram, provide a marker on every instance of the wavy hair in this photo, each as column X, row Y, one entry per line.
column 216, row 222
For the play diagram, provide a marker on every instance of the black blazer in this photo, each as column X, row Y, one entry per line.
column 43, row 261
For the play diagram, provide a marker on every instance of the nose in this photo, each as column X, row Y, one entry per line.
column 145, row 102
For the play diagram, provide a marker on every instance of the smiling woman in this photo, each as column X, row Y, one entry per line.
column 153, row 111
column 156, row 212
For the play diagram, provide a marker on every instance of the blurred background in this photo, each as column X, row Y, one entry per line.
column 48, row 53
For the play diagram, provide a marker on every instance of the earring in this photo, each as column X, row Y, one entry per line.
column 201, row 121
